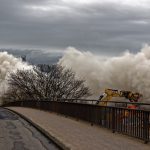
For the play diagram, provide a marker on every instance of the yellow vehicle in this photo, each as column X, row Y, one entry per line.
column 110, row 93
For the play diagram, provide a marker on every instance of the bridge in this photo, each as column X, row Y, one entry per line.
column 85, row 126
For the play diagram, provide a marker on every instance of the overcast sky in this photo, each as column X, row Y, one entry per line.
column 100, row 26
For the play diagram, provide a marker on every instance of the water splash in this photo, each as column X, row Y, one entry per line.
column 126, row 72
column 8, row 64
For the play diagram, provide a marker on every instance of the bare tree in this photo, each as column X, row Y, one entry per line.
column 46, row 82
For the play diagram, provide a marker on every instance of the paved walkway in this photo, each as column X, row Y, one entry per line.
column 78, row 135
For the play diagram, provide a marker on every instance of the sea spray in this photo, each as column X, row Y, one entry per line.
column 8, row 64
column 126, row 72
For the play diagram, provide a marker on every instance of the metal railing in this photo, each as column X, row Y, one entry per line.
column 132, row 122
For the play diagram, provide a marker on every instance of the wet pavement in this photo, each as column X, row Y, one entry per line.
column 17, row 134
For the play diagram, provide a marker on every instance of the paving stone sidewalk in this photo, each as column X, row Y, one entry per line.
column 79, row 135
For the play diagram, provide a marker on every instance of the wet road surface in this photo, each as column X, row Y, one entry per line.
column 17, row 134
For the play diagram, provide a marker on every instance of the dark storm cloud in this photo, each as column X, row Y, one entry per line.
column 106, row 27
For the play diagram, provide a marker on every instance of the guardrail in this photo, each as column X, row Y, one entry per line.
column 135, row 123
column 115, row 103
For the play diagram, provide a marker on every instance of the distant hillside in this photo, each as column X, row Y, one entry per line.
column 36, row 56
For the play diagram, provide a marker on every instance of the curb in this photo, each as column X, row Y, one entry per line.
column 51, row 137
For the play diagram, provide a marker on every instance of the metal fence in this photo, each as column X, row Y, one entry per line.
column 135, row 123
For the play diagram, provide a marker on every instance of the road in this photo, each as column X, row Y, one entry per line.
column 17, row 134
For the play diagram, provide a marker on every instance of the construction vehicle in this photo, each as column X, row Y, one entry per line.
column 110, row 93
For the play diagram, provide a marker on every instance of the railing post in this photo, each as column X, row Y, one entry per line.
column 38, row 104
column 113, row 120
column 21, row 103
column 146, row 127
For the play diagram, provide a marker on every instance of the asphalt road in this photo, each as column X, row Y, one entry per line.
column 17, row 134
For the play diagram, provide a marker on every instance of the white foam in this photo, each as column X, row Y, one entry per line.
column 8, row 64
column 126, row 72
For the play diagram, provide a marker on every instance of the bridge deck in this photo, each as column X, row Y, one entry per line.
column 79, row 135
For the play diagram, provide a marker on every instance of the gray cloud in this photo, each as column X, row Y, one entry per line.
column 36, row 56
column 105, row 28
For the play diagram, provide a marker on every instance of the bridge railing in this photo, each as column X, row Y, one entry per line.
column 135, row 123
